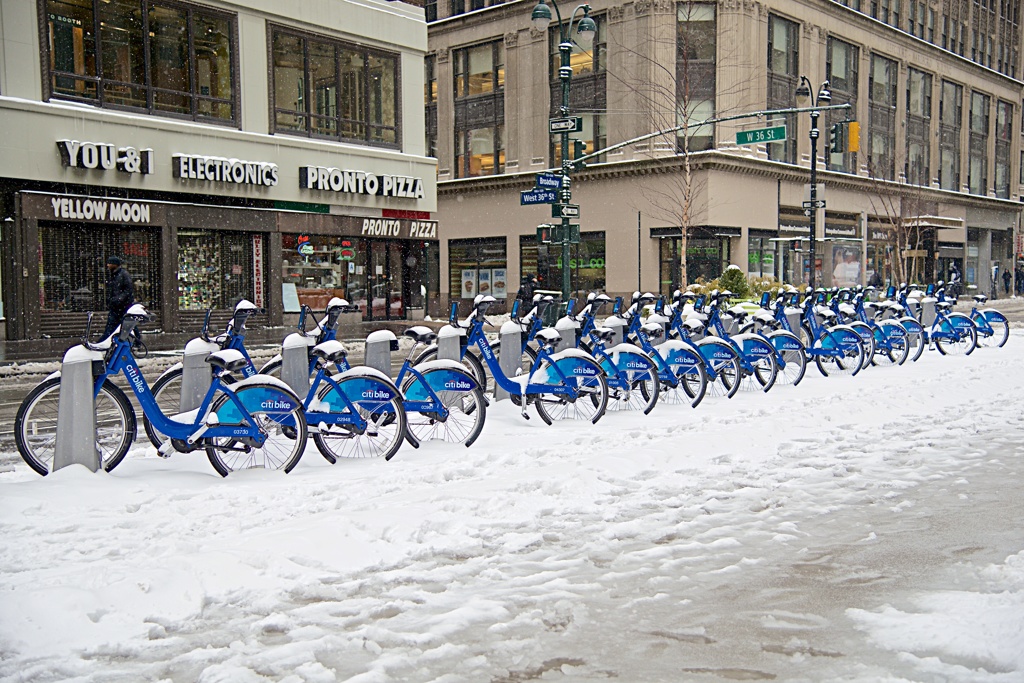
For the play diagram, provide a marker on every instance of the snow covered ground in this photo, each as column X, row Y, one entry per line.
column 854, row 529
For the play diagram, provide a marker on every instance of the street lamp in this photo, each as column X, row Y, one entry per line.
column 586, row 29
column 823, row 99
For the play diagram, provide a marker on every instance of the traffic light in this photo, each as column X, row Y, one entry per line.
column 853, row 136
column 837, row 138
column 544, row 234
column 579, row 148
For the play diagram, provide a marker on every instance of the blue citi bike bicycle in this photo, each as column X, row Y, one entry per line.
column 993, row 327
column 569, row 384
column 254, row 422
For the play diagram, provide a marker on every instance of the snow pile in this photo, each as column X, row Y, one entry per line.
column 847, row 529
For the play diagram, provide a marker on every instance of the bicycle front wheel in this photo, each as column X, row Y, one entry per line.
column 1000, row 331
column 285, row 431
column 867, row 338
column 639, row 393
column 35, row 426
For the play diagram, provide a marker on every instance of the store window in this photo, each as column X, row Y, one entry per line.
column 761, row 256
column 586, row 263
column 479, row 266
column 72, row 265
column 215, row 269
column 707, row 256
column 321, row 267
column 325, row 88
column 160, row 58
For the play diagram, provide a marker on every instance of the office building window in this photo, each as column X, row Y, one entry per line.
column 950, row 122
column 1004, row 134
column 882, row 117
column 783, row 74
column 479, row 109
column 919, row 123
column 325, row 88
column 696, row 43
column 977, row 169
column 588, row 94
column 159, row 58
column 430, row 102
column 842, row 70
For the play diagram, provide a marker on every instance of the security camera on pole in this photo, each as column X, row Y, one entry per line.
column 586, row 29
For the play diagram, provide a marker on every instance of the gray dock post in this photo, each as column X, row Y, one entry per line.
column 616, row 325
column 379, row 345
column 196, row 373
column 449, row 342
column 566, row 329
column 295, row 363
column 510, row 356
column 76, row 411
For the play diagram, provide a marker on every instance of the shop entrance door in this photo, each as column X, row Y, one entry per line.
column 384, row 282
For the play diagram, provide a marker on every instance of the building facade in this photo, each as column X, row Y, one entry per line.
column 935, row 86
column 272, row 151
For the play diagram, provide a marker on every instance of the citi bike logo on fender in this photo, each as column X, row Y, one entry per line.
column 458, row 385
column 636, row 365
column 584, row 370
column 376, row 393
column 275, row 404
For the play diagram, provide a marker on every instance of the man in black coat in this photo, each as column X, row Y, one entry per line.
column 120, row 294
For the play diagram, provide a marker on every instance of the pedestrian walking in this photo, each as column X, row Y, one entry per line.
column 120, row 294
column 526, row 289
column 1006, row 280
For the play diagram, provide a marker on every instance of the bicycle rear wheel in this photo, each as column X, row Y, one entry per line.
column 467, row 411
column 867, row 338
column 847, row 360
column 640, row 393
column 590, row 403
column 167, row 394
column 1000, row 331
column 961, row 340
column 469, row 360
column 285, row 430
column 385, row 430
column 35, row 426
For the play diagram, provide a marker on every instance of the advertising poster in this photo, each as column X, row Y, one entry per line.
column 483, row 282
column 468, row 283
column 499, row 285
column 846, row 262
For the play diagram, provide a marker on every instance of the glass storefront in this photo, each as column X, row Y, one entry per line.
column 761, row 256
column 72, row 265
column 586, row 263
column 479, row 266
column 215, row 269
column 372, row 274
column 707, row 257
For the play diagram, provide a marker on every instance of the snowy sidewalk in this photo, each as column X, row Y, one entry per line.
column 856, row 529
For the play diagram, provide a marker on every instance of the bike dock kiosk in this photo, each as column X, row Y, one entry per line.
column 76, row 411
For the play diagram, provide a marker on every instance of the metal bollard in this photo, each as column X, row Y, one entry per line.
column 567, row 329
column 196, row 373
column 449, row 343
column 379, row 346
column 76, row 411
column 295, row 362
column 510, row 355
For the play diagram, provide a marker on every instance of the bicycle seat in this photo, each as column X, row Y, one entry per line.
column 331, row 351
column 693, row 324
column 229, row 360
column 653, row 330
column 944, row 305
column 605, row 334
column 548, row 337
column 421, row 334
column 980, row 298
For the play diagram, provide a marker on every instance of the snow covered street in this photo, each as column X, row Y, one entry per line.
column 854, row 529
